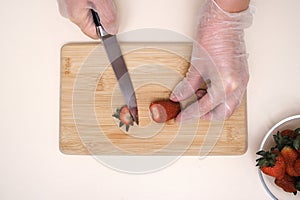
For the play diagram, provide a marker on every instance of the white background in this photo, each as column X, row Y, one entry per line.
column 32, row 167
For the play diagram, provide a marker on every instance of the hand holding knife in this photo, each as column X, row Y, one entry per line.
column 116, row 59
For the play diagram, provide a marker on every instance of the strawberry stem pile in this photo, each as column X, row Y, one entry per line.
column 283, row 160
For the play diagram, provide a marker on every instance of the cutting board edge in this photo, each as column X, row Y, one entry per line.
column 154, row 44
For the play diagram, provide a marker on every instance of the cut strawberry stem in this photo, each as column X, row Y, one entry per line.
column 124, row 116
column 116, row 115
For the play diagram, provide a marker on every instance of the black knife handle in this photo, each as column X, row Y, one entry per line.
column 96, row 18
column 99, row 28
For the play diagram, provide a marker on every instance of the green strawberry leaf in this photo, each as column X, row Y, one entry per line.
column 282, row 141
column 261, row 153
column 116, row 116
column 296, row 142
column 297, row 184
column 297, row 131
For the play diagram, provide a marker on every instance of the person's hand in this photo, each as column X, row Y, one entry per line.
column 78, row 11
column 219, row 60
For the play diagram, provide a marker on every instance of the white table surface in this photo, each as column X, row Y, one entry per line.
column 32, row 167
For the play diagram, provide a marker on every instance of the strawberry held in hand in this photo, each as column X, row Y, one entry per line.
column 271, row 163
column 164, row 110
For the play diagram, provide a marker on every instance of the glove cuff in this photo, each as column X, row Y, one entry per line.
column 212, row 11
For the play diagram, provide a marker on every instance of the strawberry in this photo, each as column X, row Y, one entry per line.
column 124, row 116
column 290, row 170
column 164, row 110
column 287, row 184
column 297, row 166
column 289, row 132
column 271, row 163
column 290, row 155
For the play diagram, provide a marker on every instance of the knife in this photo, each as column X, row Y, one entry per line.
column 118, row 64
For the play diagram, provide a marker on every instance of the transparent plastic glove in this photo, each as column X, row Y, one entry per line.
column 78, row 11
column 219, row 60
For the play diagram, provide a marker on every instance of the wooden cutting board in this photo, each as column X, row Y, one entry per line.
column 90, row 95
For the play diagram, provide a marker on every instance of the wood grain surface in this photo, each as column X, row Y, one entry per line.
column 90, row 95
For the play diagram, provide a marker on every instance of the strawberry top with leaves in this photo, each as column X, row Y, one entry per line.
column 271, row 163
column 123, row 114
column 282, row 140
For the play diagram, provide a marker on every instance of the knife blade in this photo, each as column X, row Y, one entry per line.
column 118, row 64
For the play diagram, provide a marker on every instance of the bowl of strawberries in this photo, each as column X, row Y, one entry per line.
column 279, row 159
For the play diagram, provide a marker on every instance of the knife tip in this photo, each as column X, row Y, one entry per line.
column 137, row 121
column 134, row 114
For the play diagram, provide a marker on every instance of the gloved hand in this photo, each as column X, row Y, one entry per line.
column 219, row 60
column 78, row 11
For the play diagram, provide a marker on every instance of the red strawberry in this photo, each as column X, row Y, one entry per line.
column 164, row 110
column 287, row 184
column 124, row 116
column 271, row 163
column 290, row 170
column 290, row 155
column 288, row 132
column 297, row 166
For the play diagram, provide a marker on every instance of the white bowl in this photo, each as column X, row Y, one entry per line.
column 274, row 191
